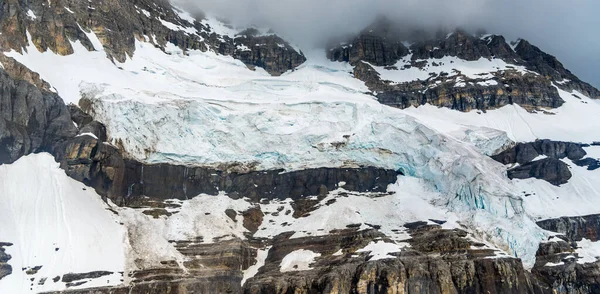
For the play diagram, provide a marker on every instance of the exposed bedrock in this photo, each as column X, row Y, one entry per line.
column 382, row 45
column 557, row 266
column 31, row 119
column 439, row 261
column 102, row 166
column 574, row 228
column 550, row 168
column 270, row 52
column 547, row 65
column 529, row 91
column 557, row 262
column 5, row 268
column 119, row 23
column 525, row 152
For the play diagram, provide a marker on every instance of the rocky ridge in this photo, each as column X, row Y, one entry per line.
column 118, row 24
column 384, row 45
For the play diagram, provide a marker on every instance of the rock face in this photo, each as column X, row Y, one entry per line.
column 31, row 119
column 101, row 166
column 438, row 262
column 557, row 263
column 165, row 181
column 556, row 260
column 5, row 268
column 270, row 52
column 574, row 228
column 525, row 152
column 550, row 169
column 119, row 23
column 209, row 268
column 548, row 65
column 381, row 45
column 370, row 48
column 529, row 90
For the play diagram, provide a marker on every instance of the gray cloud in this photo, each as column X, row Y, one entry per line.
column 569, row 30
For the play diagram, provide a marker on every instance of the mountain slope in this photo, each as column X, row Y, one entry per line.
column 239, row 164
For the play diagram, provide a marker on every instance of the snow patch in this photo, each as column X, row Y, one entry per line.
column 588, row 251
column 31, row 15
column 298, row 260
column 261, row 257
column 381, row 250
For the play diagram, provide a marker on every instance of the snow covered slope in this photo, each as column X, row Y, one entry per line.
column 57, row 226
column 204, row 109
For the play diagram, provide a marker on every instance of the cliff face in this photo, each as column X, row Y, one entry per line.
column 117, row 24
column 383, row 46
column 439, row 261
column 558, row 261
column 574, row 228
column 31, row 120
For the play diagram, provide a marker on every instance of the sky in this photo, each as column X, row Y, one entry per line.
column 568, row 29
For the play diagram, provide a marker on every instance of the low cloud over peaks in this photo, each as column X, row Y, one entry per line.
column 567, row 29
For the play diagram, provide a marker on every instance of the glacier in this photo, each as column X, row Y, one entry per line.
column 201, row 108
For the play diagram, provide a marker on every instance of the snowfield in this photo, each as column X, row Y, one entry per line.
column 57, row 223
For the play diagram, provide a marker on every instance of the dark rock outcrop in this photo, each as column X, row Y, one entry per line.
column 209, row 268
column 119, row 23
column 441, row 266
column 556, row 265
column 370, row 48
column 270, row 52
column 381, row 45
column 72, row 277
column 464, row 46
column 31, row 119
column 551, row 170
column 165, row 181
column 590, row 163
column 5, row 268
column 529, row 90
column 574, row 228
column 547, row 65
column 456, row 90
column 378, row 44
column 525, row 152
